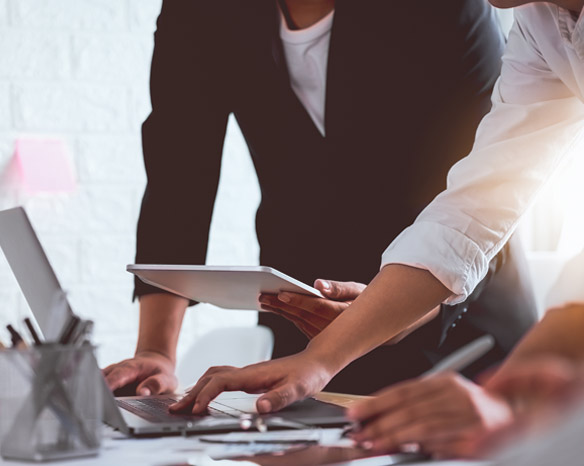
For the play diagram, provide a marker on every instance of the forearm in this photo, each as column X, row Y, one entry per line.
column 161, row 316
column 397, row 298
column 559, row 334
column 415, row 326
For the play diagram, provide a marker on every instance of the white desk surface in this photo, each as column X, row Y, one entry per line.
column 178, row 451
column 172, row 451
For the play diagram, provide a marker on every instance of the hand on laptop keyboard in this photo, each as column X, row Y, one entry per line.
column 152, row 373
column 283, row 381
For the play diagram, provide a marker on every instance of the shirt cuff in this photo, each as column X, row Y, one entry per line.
column 449, row 255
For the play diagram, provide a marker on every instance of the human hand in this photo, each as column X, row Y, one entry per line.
column 283, row 381
column 542, row 381
column 540, row 390
column 153, row 372
column 447, row 415
column 312, row 315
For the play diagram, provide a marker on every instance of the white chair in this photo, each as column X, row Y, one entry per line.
column 229, row 346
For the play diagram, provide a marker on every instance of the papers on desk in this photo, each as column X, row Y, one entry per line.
column 186, row 451
column 237, row 444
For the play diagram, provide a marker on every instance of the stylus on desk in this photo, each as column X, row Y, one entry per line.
column 463, row 357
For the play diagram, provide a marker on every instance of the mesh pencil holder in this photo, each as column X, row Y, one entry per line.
column 50, row 403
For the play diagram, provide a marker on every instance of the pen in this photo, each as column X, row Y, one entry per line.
column 84, row 330
column 17, row 341
column 33, row 333
column 463, row 356
column 456, row 361
column 67, row 333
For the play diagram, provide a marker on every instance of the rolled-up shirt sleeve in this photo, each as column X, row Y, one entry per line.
column 535, row 122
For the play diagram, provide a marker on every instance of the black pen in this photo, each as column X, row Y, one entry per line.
column 68, row 330
column 17, row 341
column 32, row 331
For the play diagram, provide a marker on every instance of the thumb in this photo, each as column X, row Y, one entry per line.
column 155, row 385
column 340, row 291
column 277, row 399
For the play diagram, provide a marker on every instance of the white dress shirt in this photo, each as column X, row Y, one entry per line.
column 306, row 52
column 536, row 120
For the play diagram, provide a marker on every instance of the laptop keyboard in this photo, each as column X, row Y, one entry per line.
column 156, row 410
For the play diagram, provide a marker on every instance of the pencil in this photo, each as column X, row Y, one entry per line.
column 17, row 341
column 32, row 331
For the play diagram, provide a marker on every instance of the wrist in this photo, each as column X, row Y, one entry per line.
column 331, row 359
column 167, row 356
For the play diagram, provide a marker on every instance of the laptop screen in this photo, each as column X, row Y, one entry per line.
column 34, row 273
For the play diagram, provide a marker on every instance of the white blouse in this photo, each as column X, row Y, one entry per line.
column 536, row 121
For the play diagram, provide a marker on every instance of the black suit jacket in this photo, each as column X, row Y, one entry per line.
column 406, row 88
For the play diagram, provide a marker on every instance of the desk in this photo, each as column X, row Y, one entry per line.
column 170, row 451
column 176, row 450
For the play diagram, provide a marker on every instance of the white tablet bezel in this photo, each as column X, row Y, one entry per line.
column 228, row 287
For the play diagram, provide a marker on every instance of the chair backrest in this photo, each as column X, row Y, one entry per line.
column 229, row 346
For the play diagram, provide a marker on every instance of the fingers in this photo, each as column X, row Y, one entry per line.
column 216, row 369
column 393, row 398
column 187, row 402
column 251, row 379
column 424, row 432
column 544, row 378
column 108, row 369
column 429, row 411
column 304, row 326
column 390, row 422
column 280, row 397
column 121, row 375
column 157, row 384
column 207, row 392
column 340, row 291
column 282, row 381
column 306, row 307
column 310, row 314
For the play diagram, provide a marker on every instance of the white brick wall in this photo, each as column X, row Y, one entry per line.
column 5, row 108
column 34, row 54
column 70, row 107
column 3, row 12
column 78, row 70
column 73, row 15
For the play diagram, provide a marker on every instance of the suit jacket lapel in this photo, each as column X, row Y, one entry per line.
column 341, row 74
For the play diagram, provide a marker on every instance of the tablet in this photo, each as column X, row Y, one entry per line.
column 229, row 287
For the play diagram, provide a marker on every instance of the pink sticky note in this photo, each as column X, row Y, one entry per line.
column 44, row 165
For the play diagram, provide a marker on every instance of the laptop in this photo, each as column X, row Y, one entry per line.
column 137, row 415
